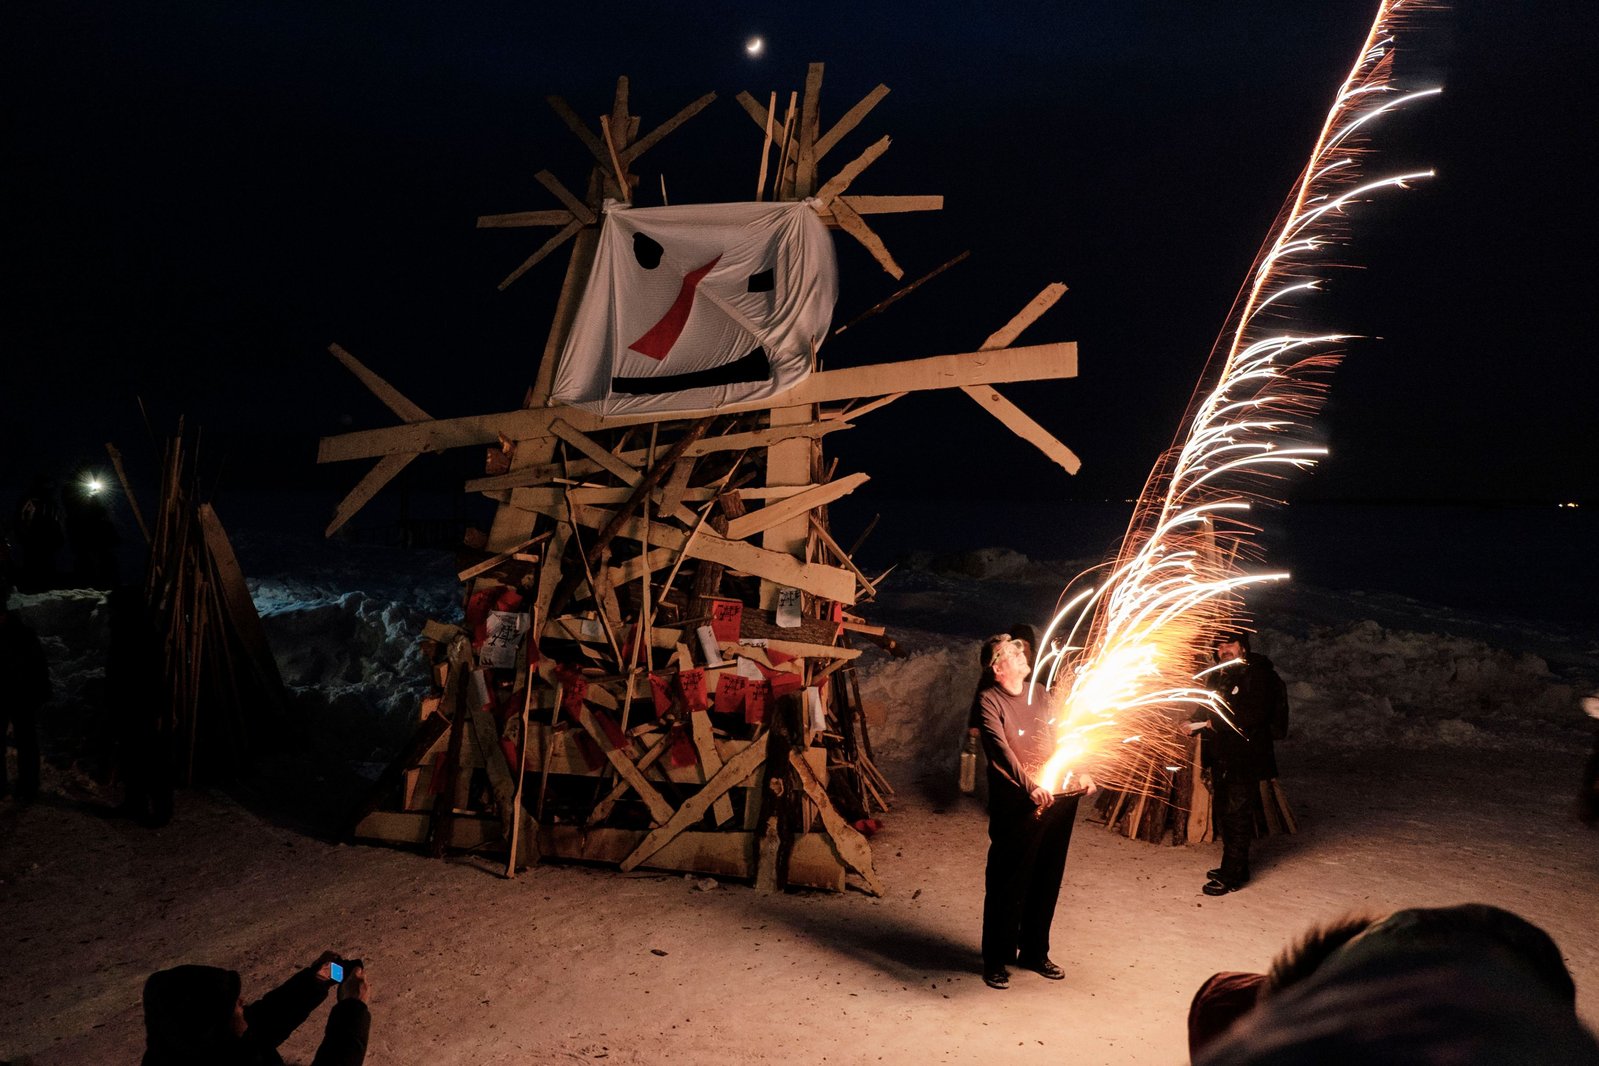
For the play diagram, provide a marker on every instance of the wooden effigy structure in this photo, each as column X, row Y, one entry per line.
column 656, row 664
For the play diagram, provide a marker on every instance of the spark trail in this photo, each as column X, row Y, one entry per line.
column 1119, row 659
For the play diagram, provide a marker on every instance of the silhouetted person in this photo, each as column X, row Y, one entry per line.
column 24, row 688
column 136, row 707
column 1240, row 752
column 1464, row 985
column 195, row 1016
column 39, row 538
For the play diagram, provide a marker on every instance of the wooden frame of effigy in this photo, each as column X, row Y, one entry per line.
column 660, row 626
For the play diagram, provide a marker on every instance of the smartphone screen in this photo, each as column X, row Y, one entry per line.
column 336, row 972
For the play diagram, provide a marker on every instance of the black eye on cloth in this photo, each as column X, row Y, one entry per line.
column 647, row 251
column 765, row 281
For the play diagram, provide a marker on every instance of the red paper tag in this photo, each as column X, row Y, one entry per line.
column 755, row 700
column 726, row 617
column 682, row 752
column 730, row 693
column 778, row 658
column 661, row 693
column 691, row 683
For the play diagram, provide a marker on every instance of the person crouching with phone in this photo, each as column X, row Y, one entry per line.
column 195, row 1014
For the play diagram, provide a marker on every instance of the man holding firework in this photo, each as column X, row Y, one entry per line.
column 1029, row 829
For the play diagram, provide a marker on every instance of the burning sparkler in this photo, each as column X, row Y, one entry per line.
column 1122, row 673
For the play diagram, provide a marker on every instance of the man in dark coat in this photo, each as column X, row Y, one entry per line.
column 194, row 1015
column 1241, row 751
column 1029, row 830
column 26, row 678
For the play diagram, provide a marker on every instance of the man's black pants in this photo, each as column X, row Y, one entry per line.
column 1026, row 861
column 1235, row 814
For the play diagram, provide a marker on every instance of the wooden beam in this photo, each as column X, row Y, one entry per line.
column 754, row 522
column 849, row 121
column 733, row 772
column 1021, row 423
column 839, row 182
column 754, row 109
column 624, row 472
column 579, row 209
column 380, row 475
column 526, row 218
column 391, row 396
column 810, row 123
column 1041, row 362
column 891, row 205
column 843, row 556
column 1007, row 334
column 856, row 227
column 590, row 141
column 711, row 761
column 544, row 250
column 652, row 138
column 660, row 810
column 851, row 846
column 727, row 442
column 812, row 864
column 826, row 581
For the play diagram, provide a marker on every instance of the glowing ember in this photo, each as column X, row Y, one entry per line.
column 1133, row 641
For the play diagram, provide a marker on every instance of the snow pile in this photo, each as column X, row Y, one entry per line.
column 73, row 626
column 917, row 707
column 1363, row 685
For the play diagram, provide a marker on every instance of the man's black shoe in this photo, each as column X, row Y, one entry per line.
column 1217, row 887
column 1214, row 875
column 997, row 978
column 1044, row 968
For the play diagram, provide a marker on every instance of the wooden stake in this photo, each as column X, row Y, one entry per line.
column 127, row 489
column 766, row 148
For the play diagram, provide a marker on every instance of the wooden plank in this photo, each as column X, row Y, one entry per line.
column 898, row 294
column 391, row 396
column 850, row 119
column 544, row 250
column 839, row 182
column 660, row 810
column 705, row 744
column 411, row 827
column 812, row 863
column 526, row 218
column 754, row 522
column 637, row 566
column 810, row 122
column 733, row 772
column 851, row 846
column 892, row 205
column 535, row 475
column 829, row 582
column 495, row 560
column 652, row 138
column 795, row 647
column 590, row 141
column 591, row 448
column 1021, row 423
column 1007, row 334
column 1041, row 362
column 853, row 224
column 618, row 168
column 752, row 107
column 852, row 412
column 383, row 472
column 843, row 556
column 235, row 595
column 488, row 740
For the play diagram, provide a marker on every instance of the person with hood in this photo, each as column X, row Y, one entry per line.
column 194, row 1015
column 1241, row 753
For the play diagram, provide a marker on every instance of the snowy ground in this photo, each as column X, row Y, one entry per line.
column 1434, row 760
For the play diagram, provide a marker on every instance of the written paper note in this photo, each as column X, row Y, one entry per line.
column 788, row 608
column 726, row 617
column 502, row 637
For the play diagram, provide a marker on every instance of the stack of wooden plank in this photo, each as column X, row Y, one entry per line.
column 223, row 698
column 1177, row 799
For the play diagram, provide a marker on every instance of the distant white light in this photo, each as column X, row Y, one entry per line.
column 93, row 486
column 754, row 46
column 1571, row 505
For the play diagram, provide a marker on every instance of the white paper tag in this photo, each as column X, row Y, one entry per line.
column 708, row 645
column 813, row 701
column 788, row 609
column 503, row 636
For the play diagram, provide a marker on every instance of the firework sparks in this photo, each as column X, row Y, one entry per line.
column 1123, row 675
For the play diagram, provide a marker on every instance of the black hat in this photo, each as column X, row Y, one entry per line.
column 1230, row 636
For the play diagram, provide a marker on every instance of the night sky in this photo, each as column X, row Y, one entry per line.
column 199, row 197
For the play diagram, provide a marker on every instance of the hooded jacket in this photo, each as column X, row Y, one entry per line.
column 188, row 1020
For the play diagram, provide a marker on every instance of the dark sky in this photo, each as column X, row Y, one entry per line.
column 199, row 196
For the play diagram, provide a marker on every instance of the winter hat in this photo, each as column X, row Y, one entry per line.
column 1230, row 636
column 188, row 1014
